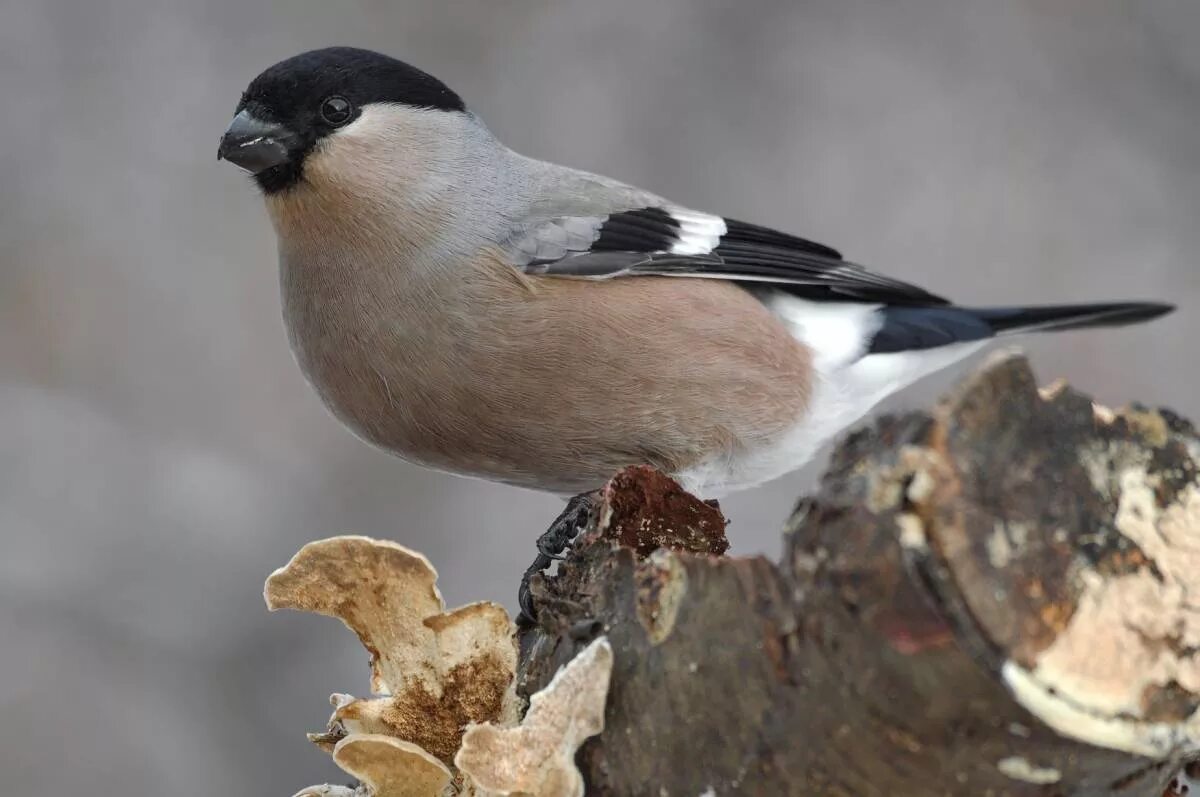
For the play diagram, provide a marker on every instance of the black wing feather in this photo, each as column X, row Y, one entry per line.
column 644, row 230
column 744, row 232
column 639, row 242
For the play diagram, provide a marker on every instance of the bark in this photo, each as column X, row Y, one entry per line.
column 987, row 599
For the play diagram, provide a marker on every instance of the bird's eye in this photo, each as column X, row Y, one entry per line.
column 336, row 110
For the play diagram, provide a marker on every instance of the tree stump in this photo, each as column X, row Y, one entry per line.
column 998, row 597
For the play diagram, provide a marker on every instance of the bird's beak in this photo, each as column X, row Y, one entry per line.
column 255, row 145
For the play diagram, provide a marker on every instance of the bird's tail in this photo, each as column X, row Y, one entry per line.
column 1048, row 318
column 906, row 328
column 908, row 342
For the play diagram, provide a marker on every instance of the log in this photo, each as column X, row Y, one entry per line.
column 997, row 597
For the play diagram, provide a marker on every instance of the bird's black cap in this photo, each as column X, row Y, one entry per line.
column 310, row 95
column 361, row 76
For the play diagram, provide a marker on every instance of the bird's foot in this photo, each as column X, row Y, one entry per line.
column 550, row 545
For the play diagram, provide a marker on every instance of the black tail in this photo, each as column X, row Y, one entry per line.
column 906, row 328
column 1011, row 320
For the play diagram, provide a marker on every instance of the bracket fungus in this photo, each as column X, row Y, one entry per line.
column 391, row 767
column 330, row 790
column 439, row 670
column 386, row 767
column 538, row 757
column 443, row 674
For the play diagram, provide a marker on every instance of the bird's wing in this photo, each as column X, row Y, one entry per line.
column 668, row 240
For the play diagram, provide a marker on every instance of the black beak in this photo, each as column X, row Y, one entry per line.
column 255, row 145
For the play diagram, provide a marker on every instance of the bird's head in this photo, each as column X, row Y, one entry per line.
column 341, row 103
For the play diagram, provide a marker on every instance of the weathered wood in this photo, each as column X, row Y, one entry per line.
column 989, row 599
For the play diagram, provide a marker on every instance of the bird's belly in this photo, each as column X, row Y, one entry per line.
column 559, row 387
column 409, row 400
column 444, row 428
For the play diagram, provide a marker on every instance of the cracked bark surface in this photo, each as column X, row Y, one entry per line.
column 991, row 598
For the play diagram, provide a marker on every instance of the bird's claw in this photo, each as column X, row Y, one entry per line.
column 528, row 615
column 550, row 545
column 554, row 541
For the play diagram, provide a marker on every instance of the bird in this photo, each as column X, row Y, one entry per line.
column 489, row 314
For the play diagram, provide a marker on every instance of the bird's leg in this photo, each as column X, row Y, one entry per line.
column 552, row 543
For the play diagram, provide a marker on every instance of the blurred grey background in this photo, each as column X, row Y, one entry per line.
column 160, row 454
